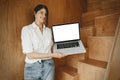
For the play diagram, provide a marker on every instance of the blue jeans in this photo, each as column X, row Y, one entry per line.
column 39, row 71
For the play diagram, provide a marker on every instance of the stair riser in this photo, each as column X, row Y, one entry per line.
column 99, row 47
column 89, row 17
column 85, row 32
column 89, row 72
column 73, row 60
column 66, row 76
column 106, row 25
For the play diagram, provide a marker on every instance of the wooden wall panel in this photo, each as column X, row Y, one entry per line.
column 56, row 11
column 63, row 11
column 13, row 16
column 3, row 37
column 73, row 11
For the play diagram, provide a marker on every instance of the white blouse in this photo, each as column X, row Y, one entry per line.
column 33, row 40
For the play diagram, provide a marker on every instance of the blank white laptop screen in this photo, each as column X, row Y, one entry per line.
column 66, row 32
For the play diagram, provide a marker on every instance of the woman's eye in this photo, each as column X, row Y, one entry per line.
column 40, row 12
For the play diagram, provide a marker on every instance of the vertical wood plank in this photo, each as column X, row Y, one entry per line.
column 3, row 37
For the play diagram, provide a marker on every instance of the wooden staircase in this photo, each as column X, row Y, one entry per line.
column 95, row 65
column 67, row 73
column 91, row 69
column 97, row 34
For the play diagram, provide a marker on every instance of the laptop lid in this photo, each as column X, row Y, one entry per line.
column 66, row 32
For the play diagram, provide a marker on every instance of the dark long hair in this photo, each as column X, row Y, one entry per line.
column 41, row 6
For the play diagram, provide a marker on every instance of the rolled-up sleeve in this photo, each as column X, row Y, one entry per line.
column 26, row 40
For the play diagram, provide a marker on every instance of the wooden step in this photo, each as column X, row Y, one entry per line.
column 106, row 25
column 85, row 32
column 91, row 69
column 99, row 47
column 59, row 62
column 94, row 62
column 72, row 60
column 67, row 73
column 88, row 18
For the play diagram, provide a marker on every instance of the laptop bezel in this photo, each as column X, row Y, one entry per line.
column 65, row 24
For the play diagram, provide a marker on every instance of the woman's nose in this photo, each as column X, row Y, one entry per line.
column 44, row 16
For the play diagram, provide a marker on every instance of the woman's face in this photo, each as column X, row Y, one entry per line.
column 40, row 15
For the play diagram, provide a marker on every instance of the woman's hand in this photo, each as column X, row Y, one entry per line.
column 58, row 55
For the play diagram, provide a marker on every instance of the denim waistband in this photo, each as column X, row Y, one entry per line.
column 44, row 60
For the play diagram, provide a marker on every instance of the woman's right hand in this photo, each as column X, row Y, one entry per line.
column 58, row 55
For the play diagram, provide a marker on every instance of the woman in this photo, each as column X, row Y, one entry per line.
column 36, row 44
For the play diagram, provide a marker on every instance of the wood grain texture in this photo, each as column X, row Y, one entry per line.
column 94, row 62
column 90, row 72
column 17, row 13
column 115, row 60
column 3, row 38
column 112, row 72
column 63, row 11
column 103, row 5
column 85, row 32
column 73, row 60
column 99, row 47
column 106, row 25
column 67, row 73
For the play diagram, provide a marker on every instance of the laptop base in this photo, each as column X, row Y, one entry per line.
column 73, row 50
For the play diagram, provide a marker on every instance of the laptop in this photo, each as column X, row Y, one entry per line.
column 66, row 38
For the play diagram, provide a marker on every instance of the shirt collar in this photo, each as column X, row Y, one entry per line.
column 35, row 26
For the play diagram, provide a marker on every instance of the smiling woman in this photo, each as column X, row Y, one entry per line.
column 41, row 15
column 36, row 44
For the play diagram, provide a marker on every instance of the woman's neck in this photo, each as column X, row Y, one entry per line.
column 40, row 25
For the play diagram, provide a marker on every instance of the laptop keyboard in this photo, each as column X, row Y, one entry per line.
column 67, row 45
